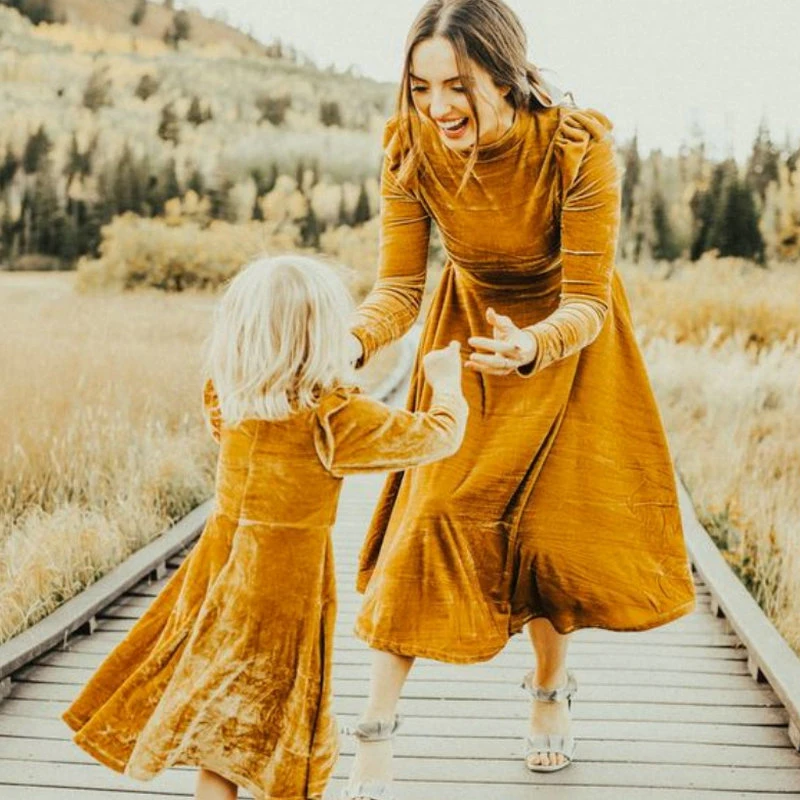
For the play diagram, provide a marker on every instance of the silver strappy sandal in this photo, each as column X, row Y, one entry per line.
column 550, row 742
column 377, row 731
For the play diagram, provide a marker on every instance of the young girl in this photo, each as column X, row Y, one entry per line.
column 230, row 668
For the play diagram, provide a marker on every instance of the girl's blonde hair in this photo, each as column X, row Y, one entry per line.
column 279, row 339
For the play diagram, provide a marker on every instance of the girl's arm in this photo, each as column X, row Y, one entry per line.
column 393, row 305
column 356, row 433
column 590, row 217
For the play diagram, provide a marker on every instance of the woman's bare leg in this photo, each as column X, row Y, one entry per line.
column 373, row 760
column 211, row 786
column 550, row 648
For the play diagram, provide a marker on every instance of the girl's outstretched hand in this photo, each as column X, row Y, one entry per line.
column 509, row 348
column 443, row 368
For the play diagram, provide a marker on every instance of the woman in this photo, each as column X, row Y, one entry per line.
column 559, row 511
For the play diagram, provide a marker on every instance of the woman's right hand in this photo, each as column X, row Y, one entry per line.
column 443, row 368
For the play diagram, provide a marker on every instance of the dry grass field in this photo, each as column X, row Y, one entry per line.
column 723, row 350
column 102, row 442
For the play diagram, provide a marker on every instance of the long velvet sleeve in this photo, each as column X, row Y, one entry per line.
column 590, row 217
column 356, row 433
column 393, row 305
column 212, row 414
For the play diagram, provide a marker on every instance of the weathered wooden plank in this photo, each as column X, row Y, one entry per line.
column 752, row 736
column 353, row 679
column 586, row 662
column 413, row 747
column 430, row 771
column 414, row 790
column 582, row 773
column 122, row 615
column 91, row 776
column 772, row 655
column 492, row 709
column 687, row 638
column 550, row 789
column 8, row 792
column 350, row 648
column 756, row 697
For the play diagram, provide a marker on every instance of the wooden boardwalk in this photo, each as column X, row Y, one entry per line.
column 663, row 715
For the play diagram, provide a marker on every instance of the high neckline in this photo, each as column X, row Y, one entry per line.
column 505, row 141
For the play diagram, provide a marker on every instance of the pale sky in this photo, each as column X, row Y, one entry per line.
column 660, row 67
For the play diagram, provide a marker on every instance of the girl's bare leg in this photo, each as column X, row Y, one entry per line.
column 550, row 648
column 211, row 786
column 373, row 760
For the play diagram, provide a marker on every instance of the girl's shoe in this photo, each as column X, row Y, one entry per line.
column 553, row 743
column 377, row 731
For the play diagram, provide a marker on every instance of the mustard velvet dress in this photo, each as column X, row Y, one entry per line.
column 561, row 502
column 230, row 667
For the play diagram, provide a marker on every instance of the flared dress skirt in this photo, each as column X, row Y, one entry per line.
column 561, row 502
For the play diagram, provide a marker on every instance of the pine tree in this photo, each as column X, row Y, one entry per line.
column 362, row 214
column 630, row 177
column 139, row 12
column 222, row 206
column 36, row 150
column 146, row 87
column 665, row 245
column 169, row 180
column 344, row 217
column 330, row 113
column 762, row 166
column 179, row 30
column 726, row 217
column 197, row 183
column 738, row 230
column 98, row 89
column 169, row 129
column 44, row 212
column 8, row 169
column 273, row 109
column 310, row 229
column 79, row 164
column 8, row 234
column 196, row 114
column 129, row 184
column 37, row 11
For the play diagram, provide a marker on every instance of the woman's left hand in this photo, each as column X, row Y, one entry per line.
column 509, row 348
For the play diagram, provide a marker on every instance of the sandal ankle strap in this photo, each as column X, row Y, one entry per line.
column 374, row 730
column 374, row 790
column 564, row 692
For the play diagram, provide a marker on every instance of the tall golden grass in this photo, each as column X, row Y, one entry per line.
column 102, row 443
column 721, row 342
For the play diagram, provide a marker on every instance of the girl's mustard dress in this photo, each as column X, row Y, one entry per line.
column 230, row 667
column 561, row 503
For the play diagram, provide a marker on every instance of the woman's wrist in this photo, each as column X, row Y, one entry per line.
column 528, row 354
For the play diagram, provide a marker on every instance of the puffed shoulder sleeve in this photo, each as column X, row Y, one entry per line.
column 394, row 302
column 356, row 433
column 590, row 218
column 211, row 409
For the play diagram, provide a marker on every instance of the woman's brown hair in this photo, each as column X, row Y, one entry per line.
column 487, row 32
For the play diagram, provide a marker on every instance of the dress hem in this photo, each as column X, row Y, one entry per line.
column 412, row 651
column 121, row 767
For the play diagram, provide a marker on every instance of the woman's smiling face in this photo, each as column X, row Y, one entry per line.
column 440, row 96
